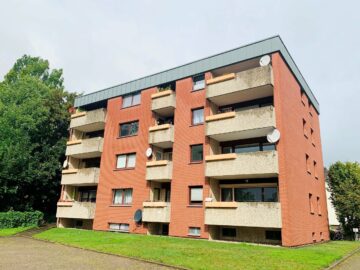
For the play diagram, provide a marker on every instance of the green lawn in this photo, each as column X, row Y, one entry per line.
column 201, row 254
column 13, row 231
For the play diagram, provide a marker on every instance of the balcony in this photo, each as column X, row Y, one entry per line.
column 239, row 87
column 86, row 148
column 163, row 103
column 245, row 214
column 244, row 165
column 160, row 171
column 251, row 123
column 78, row 210
column 88, row 121
column 156, row 212
column 80, row 177
column 162, row 136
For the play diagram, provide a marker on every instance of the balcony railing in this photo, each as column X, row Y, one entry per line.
column 73, row 209
column 156, row 212
column 163, row 103
column 88, row 121
column 162, row 135
column 244, row 165
column 80, row 177
column 246, row 214
column 86, row 148
column 160, row 171
column 251, row 123
column 238, row 87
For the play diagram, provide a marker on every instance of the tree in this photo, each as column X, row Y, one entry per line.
column 344, row 185
column 34, row 117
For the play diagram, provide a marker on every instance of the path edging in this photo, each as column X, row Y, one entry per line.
column 336, row 263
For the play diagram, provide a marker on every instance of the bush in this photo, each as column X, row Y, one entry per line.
column 14, row 219
column 336, row 235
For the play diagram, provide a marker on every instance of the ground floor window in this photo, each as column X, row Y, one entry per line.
column 228, row 232
column 122, row 227
column 194, row 231
column 273, row 235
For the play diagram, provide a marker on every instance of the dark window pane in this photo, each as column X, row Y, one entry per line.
column 248, row 194
column 227, row 150
column 268, row 147
column 228, row 232
column 270, row 194
column 129, row 129
column 226, row 195
column 124, row 130
column 196, row 152
column 273, row 235
column 199, row 82
column 197, row 116
column 247, row 148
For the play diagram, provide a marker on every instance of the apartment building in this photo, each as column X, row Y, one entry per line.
column 226, row 148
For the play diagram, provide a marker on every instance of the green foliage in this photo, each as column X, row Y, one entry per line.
column 344, row 184
column 201, row 254
column 14, row 219
column 34, row 119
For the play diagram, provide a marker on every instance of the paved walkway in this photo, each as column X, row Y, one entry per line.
column 351, row 263
column 25, row 253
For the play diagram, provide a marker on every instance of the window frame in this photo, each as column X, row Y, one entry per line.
column 307, row 160
column 123, row 190
column 126, row 161
column 193, row 80
column 191, row 156
column 196, row 228
column 193, row 202
column 233, row 187
column 132, row 100
column 318, row 205
column 192, row 116
column 311, row 204
column 119, row 225
column 128, row 123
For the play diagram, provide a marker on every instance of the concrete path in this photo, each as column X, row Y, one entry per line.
column 25, row 253
column 351, row 263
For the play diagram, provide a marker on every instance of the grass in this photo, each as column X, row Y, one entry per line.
column 13, row 231
column 202, row 254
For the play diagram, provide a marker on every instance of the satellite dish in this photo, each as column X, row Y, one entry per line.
column 65, row 164
column 148, row 152
column 138, row 216
column 273, row 136
column 265, row 60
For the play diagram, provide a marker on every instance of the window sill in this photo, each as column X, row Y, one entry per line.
column 309, row 172
column 122, row 137
column 313, row 144
column 124, row 169
column 306, row 136
column 193, row 235
column 195, row 125
column 195, row 206
column 195, row 162
column 122, row 108
column 120, row 205
column 196, row 90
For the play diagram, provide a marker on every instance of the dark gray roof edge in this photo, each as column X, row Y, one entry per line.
column 245, row 52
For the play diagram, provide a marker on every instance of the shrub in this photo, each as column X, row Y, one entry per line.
column 14, row 219
column 336, row 235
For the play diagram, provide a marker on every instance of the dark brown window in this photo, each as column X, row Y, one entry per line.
column 87, row 195
column 196, row 153
column 197, row 117
column 129, row 129
column 122, row 196
column 196, row 195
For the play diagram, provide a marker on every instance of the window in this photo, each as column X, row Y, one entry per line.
column 313, row 237
column 318, row 205
column 268, row 147
column 311, row 204
column 315, row 170
column 126, row 161
column 131, row 100
column 128, row 129
column 196, row 153
column 87, row 196
column 122, row 196
column 197, row 116
column 194, row 231
column 273, row 235
column 308, row 169
column 255, row 194
column 321, row 236
column 228, row 232
column 156, row 194
column 78, row 224
column 198, row 82
column 196, row 195
column 305, row 128
column 122, row 227
column 312, row 136
column 247, row 148
column 158, row 155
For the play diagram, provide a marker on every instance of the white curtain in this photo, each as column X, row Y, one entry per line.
column 121, row 161
column 127, row 196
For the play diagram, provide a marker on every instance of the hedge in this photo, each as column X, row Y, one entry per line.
column 14, row 219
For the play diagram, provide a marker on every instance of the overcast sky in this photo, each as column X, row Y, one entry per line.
column 103, row 43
